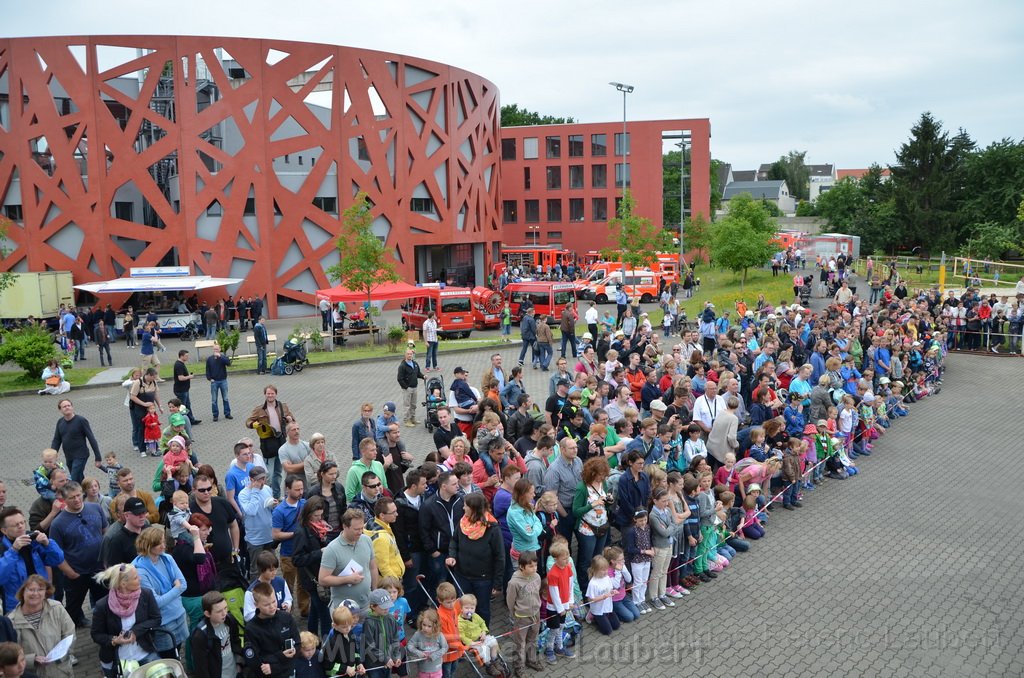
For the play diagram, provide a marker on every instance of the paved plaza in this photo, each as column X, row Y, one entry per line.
column 906, row 569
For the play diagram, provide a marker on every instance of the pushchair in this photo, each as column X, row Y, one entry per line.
column 159, row 668
column 294, row 356
column 433, row 398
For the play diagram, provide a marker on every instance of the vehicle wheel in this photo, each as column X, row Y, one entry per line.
column 601, row 299
column 645, row 299
column 298, row 367
column 288, row 369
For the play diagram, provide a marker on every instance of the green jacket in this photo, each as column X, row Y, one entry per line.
column 581, row 503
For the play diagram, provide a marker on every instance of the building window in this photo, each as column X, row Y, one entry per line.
column 530, row 148
column 422, row 205
column 553, row 147
column 125, row 211
column 554, row 210
column 13, row 212
column 300, row 159
column 598, row 145
column 286, row 160
column 576, row 146
column 508, row 149
column 329, row 205
column 575, row 209
column 362, row 153
column 509, row 214
column 599, row 176
column 554, row 177
column 526, row 178
column 621, row 175
column 618, row 144
column 532, row 211
column 214, row 210
column 575, row 176
column 554, row 235
column 250, row 206
column 599, row 208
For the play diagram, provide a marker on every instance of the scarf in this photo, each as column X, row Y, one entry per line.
column 123, row 604
column 474, row 530
column 320, row 528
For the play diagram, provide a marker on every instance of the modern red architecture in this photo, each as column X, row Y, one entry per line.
column 560, row 183
column 207, row 152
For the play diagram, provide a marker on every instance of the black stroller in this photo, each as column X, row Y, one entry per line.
column 294, row 357
column 805, row 290
column 434, row 397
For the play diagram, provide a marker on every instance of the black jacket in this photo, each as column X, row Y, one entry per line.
column 206, row 648
column 307, row 549
column 438, row 520
column 407, row 527
column 265, row 643
column 106, row 625
column 409, row 377
column 482, row 558
column 338, row 494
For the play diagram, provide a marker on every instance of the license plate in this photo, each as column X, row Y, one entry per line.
column 490, row 317
column 457, row 319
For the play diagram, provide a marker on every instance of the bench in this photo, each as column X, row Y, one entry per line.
column 325, row 338
column 203, row 343
column 373, row 330
column 251, row 341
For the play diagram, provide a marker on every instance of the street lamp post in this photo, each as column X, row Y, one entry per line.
column 625, row 89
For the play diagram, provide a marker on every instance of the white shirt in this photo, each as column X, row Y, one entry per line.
column 591, row 316
column 707, row 410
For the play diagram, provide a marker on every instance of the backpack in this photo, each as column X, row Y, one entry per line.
column 277, row 367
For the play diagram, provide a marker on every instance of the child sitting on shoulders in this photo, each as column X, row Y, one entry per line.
column 473, row 632
column 41, row 475
column 600, row 592
column 178, row 516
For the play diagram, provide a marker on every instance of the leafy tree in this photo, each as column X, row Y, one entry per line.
column 744, row 237
column 716, row 188
column 697, row 237
column 991, row 240
column 671, row 176
column 994, row 183
column 771, row 208
column 513, row 116
column 365, row 262
column 793, row 169
column 928, row 183
column 30, row 348
column 6, row 278
column 842, row 205
column 806, row 209
column 636, row 239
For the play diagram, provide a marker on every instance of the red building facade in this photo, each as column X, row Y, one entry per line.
column 559, row 183
column 204, row 152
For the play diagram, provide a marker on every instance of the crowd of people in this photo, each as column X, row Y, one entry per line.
column 641, row 470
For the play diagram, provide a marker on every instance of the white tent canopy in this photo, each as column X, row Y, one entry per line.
column 178, row 283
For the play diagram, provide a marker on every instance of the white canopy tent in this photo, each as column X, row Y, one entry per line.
column 176, row 283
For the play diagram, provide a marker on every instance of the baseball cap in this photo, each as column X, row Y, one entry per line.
column 381, row 599
column 135, row 506
column 390, row 407
column 563, row 382
column 257, row 472
column 461, row 370
column 658, row 405
column 177, row 419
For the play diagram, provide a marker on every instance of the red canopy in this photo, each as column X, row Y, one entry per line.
column 383, row 292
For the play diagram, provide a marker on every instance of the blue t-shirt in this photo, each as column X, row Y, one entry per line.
column 146, row 347
column 286, row 519
column 236, row 479
column 399, row 610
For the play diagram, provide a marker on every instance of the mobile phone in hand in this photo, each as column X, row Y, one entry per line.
column 289, row 643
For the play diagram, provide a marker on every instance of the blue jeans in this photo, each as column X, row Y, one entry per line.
column 413, row 594
column 481, row 588
column 220, row 386
column 791, row 493
column 80, row 349
column 274, row 468
column 137, row 414
column 261, row 358
column 589, row 546
column 211, row 331
column 569, row 338
column 725, row 550
column 546, row 351
column 626, row 610
column 431, row 354
column 532, row 345
column 738, row 544
column 77, row 468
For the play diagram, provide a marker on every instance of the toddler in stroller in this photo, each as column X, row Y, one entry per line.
column 293, row 359
column 434, row 399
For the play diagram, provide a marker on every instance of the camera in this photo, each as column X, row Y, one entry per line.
column 33, row 534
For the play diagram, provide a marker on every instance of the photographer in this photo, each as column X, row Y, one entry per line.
column 14, row 562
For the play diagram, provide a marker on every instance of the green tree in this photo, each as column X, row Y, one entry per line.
column 30, row 348
column 671, row 184
column 928, row 183
column 793, row 169
column 744, row 237
column 636, row 239
column 991, row 240
column 697, row 238
column 513, row 116
column 994, row 184
column 365, row 262
column 842, row 205
column 6, row 278
column 806, row 209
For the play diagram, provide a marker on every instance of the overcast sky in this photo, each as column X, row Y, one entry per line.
column 844, row 81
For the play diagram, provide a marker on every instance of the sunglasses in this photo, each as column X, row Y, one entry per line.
column 372, row 487
column 203, row 489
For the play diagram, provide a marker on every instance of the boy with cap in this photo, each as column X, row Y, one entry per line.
column 381, row 649
column 385, row 419
column 177, row 425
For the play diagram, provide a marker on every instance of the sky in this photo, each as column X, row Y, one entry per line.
column 843, row 81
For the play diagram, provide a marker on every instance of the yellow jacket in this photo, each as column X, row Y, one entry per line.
column 385, row 549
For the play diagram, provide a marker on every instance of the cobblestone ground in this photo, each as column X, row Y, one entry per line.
column 902, row 570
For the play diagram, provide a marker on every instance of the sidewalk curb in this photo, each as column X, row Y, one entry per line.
column 354, row 361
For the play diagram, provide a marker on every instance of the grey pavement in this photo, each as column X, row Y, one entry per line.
column 906, row 569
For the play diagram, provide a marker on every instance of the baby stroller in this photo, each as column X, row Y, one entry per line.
column 434, row 385
column 159, row 668
column 805, row 290
column 294, row 356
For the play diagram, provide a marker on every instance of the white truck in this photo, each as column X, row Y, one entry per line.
column 37, row 294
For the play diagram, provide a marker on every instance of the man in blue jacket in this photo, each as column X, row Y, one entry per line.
column 24, row 553
column 528, row 332
column 259, row 333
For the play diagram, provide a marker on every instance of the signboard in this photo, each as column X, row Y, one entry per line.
column 154, row 271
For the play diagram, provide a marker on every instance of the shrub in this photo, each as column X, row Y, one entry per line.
column 30, row 348
column 396, row 335
column 228, row 340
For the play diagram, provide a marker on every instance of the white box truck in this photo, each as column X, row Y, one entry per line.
column 37, row 294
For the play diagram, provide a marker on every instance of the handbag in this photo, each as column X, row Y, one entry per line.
column 53, row 381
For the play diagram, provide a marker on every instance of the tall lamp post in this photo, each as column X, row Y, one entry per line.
column 625, row 89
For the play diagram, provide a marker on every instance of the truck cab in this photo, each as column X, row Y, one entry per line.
column 452, row 307
column 548, row 298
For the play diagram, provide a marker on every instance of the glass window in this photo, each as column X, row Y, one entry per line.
column 575, row 176
column 554, row 210
column 250, row 206
column 455, row 305
column 330, row 205
column 599, row 145
column 575, row 209
column 618, row 144
column 122, row 210
column 508, row 149
column 599, row 208
column 508, row 211
column 422, row 205
column 621, row 175
column 576, row 146
column 532, row 211
column 526, row 178
column 554, row 177
column 13, row 212
column 530, row 148
column 563, row 297
column 553, row 147
column 599, row 176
